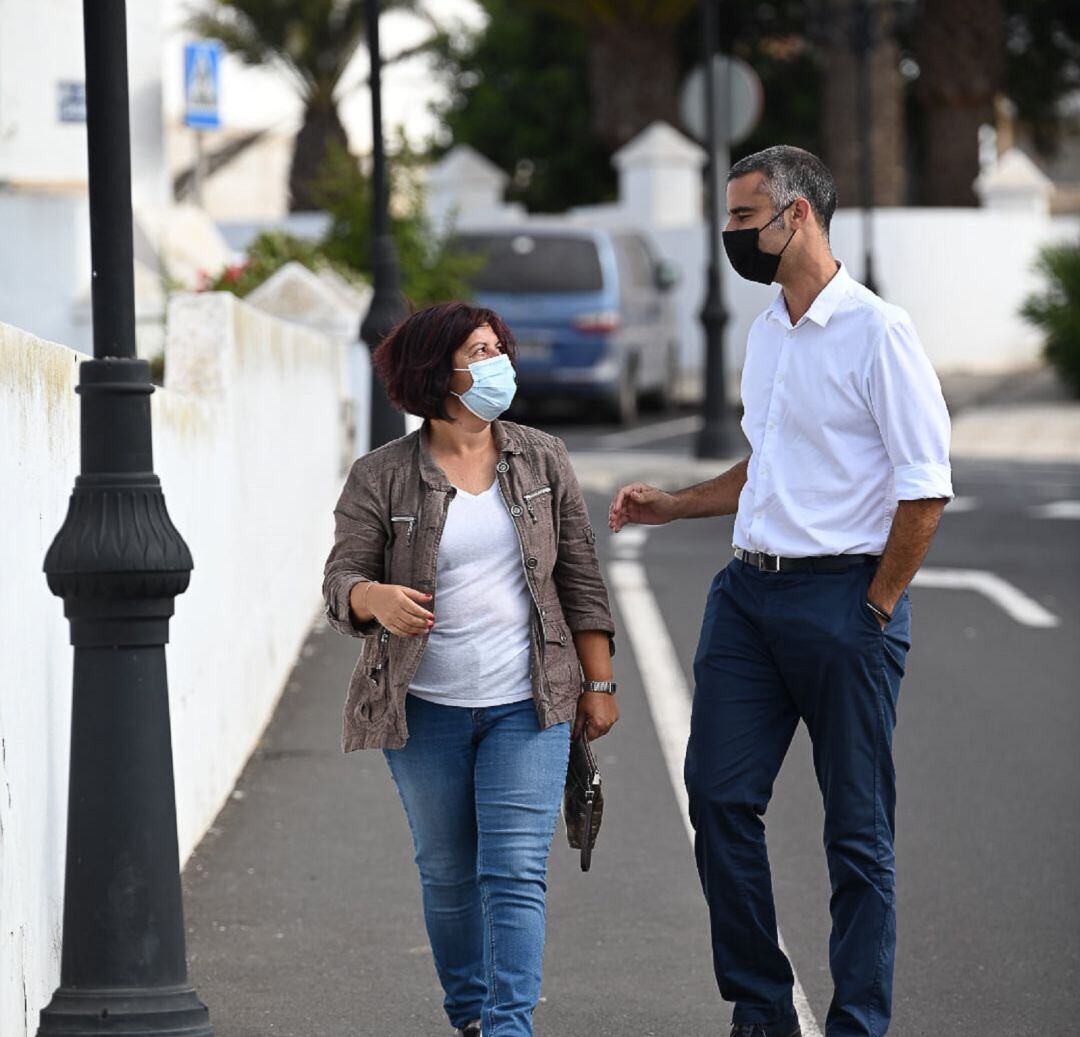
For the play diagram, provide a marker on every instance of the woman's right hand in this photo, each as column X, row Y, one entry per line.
column 397, row 608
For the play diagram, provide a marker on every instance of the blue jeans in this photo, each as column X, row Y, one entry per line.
column 777, row 648
column 482, row 790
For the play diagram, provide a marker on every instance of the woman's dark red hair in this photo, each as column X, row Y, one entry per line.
column 415, row 361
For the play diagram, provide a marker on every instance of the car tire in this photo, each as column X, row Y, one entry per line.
column 665, row 397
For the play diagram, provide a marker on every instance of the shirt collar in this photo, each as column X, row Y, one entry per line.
column 830, row 297
column 824, row 305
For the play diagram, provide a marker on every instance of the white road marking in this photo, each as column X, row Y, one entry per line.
column 1011, row 599
column 1062, row 509
column 627, row 543
column 652, row 433
column 669, row 702
column 958, row 504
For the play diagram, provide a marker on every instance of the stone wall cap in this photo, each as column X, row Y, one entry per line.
column 1014, row 171
column 659, row 141
column 463, row 163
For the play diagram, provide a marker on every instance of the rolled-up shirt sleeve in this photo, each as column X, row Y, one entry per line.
column 907, row 404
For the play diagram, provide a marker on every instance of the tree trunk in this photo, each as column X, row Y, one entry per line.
column 633, row 79
column 961, row 52
column 320, row 128
column 843, row 138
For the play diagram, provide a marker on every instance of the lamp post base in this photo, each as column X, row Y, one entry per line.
column 144, row 1012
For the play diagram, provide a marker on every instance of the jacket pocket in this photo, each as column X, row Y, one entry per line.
column 561, row 667
column 404, row 527
column 538, row 503
column 369, row 686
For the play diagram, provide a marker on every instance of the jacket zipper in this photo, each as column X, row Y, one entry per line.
column 532, row 593
column 528, row 498
column 375, row 670
column 411, row 520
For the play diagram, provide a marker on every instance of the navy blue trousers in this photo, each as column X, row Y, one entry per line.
column 777, row 648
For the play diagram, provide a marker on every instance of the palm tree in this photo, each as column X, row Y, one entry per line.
column 961, row 48
column 833, row 27
column 633, row 63
column 313, row 41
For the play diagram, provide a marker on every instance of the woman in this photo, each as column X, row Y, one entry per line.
column 464, row 562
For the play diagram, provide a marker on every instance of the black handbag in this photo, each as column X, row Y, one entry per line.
column 583, row 799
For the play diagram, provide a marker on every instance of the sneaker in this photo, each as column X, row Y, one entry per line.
column 470, row 1029
column 764, row 1030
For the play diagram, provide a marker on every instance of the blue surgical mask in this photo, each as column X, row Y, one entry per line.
column 493, row 387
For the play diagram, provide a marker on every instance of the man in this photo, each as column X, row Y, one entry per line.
column 835, row 509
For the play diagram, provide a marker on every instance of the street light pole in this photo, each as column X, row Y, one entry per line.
column 118, row 562
column 387, row 307
column 863, row 39
column 713, row 440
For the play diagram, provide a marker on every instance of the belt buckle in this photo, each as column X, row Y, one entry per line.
column 773, row 566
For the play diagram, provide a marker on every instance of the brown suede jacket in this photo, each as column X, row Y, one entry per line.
column 388, row 524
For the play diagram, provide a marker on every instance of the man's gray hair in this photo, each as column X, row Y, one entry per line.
column 792, row 173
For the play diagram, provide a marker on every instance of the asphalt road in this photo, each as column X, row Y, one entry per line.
column 303, row 905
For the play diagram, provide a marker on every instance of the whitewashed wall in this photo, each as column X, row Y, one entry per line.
column 249, row 447
column 41, row 45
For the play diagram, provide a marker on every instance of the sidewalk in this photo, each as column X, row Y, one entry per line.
column 303, row 905
column 1020, row 416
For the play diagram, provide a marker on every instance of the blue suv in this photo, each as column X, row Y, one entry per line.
column 589, row 308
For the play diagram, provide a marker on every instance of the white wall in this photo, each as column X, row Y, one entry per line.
column 962, row 274
column 249, row 448
column 45, row 265
column 39, row 430
column 41, row 44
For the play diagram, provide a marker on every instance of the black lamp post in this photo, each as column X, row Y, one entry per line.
column 387, row 306
column 864, row 37
column 713, row 440
column 118, row 562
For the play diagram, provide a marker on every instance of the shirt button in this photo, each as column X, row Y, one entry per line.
column 772, row 426
column 502, row 466
column 763, row 470
column 780, row 380
column 562, row 638
column 531, row 562
column 515, row 510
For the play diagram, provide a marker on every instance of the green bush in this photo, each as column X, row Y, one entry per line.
column 266, row 254
column 1057, row 310
column 432, row 268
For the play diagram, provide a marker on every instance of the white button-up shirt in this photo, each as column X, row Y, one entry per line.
column 845, row 417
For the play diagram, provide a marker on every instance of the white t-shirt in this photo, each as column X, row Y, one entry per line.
column 477, row 653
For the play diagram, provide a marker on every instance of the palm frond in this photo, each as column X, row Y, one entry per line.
column 314, row 39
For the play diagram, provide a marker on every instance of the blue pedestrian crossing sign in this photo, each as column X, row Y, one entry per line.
column 202, row 84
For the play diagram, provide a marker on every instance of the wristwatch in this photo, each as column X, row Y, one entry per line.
column 607, row 687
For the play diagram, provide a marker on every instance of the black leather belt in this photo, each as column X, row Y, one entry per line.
column 819, row 564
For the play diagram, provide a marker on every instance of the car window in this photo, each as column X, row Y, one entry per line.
column 534, row 263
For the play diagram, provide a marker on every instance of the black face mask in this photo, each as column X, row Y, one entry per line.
column 747, row 259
